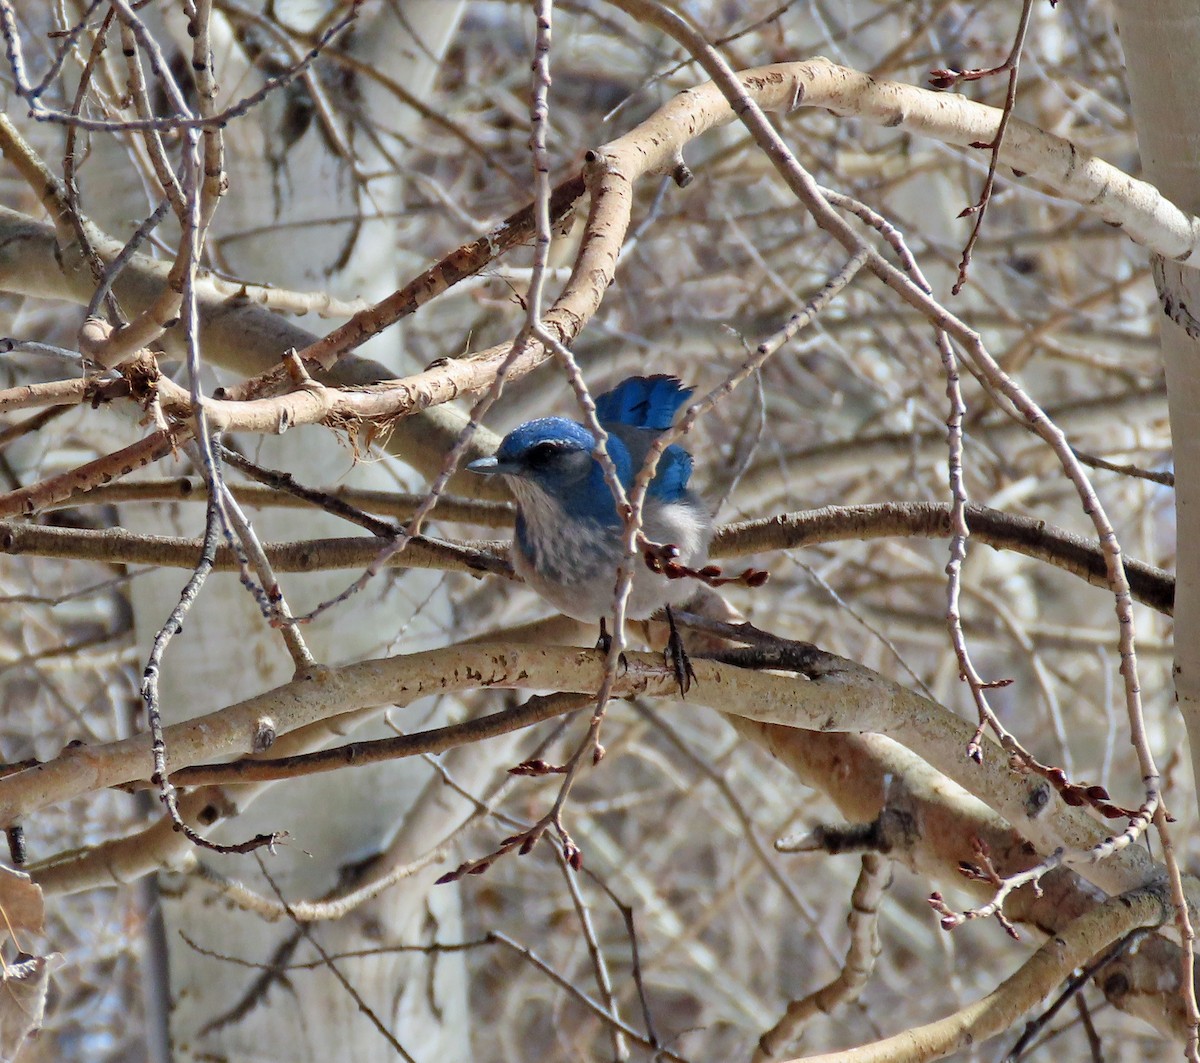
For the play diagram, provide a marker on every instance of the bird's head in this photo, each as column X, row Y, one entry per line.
column 554, row 455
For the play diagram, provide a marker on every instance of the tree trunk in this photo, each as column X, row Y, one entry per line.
column 1162, row 57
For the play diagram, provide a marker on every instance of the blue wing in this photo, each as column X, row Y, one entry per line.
column 672, row 475
column 636, row 411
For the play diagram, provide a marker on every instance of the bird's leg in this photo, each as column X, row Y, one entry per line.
column 604, row 642
column 676, row 656
column 604, row 645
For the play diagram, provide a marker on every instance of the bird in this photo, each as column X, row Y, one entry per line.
column 568, row 540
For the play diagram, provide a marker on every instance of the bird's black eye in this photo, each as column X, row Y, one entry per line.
column 542, row 454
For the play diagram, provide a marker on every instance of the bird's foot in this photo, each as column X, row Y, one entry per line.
column 676, row 658
column 604, row 645
column 604, row 642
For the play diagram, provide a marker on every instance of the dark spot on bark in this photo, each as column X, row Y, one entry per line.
column 1116, row 986
column 1038, row 799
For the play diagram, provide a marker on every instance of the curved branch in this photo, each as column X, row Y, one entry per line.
column 654, row 147
column 943, row 819
column 844, row 696
column 1077, row 943
column 1151, row 586
column 866, row 774
column 1068, row 172
column 1034, row 538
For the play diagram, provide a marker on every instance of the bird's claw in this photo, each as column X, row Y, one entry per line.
column 676, row 658
column 604, row 642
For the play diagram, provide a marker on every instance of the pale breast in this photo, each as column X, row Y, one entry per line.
column 573, row 563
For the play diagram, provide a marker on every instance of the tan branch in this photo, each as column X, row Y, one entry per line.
column 336, row 906
column 42, row 181
column 47, row 393
column 386, row 503
column 1005, row 531
column 843, row 696
column 1065, row 170
column 934, row 823
column 860, row 960
column 1072, row 946
column 45, row 493
column 656, row 147
column 117, row 546
column 943, row 817
column 160, row 846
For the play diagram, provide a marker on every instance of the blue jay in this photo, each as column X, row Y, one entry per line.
column 568, row 533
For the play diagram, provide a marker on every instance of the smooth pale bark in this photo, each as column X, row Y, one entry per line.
column 1162, row 56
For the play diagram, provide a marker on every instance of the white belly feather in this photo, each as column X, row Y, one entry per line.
column 573, row 564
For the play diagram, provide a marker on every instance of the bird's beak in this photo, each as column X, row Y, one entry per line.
column 493, row 467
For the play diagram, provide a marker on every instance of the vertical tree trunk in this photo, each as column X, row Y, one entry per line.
column 1162, row 56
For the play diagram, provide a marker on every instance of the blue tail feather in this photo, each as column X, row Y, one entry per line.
column 643, row 402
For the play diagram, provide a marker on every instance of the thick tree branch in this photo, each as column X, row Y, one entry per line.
column 117, row 546
column 1074, row 945
column 843, row 697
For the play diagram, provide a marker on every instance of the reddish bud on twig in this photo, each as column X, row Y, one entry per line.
column 660, row 558
column 996, row 684
column 1009, row 929
column 573, row 855
column 536, row 766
